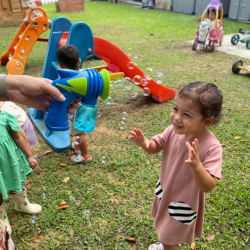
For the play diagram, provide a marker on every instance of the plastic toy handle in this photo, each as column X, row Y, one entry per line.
column 56, row 116
column 40, row 9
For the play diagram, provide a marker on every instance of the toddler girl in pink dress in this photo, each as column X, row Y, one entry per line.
column 191, row 164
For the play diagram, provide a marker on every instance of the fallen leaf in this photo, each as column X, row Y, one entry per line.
column 222, row 144
column 131, row 239
column 66, row 179
column 63, row 202
column 134, row 96
column 209, row 78
column 237, row 137
column 47, row 152
column 63, row 164
column 36, row 239
column 223, row 106
column 62, row 206
column 244, row 140
column 193, row 246
column 247, row 111
column 27, row 182
column 210, row 237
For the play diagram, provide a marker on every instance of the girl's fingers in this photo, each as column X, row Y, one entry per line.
column 131, row 132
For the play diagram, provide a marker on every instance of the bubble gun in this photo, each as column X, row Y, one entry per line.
column 88, row 85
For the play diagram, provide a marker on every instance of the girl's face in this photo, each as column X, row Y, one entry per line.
column 211, row 16
column 187, row 119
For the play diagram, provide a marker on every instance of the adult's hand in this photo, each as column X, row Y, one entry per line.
column 34, row 92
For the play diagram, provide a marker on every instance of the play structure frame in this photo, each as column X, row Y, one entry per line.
column 80, row 35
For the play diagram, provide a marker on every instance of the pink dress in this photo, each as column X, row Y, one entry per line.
column 178, row 206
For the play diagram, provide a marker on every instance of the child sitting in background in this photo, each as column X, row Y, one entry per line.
column 191, row 164
column 211, row 19
column 14, row 168
column 68, row 58
column 23, row 120
column 30, row 5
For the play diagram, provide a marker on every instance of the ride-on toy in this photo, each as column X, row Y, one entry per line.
column 236, row 38
column 238, row 66
column 215, row 35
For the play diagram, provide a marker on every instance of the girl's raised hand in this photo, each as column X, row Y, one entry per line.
column 138, row 138
column 194, row 159
column 33, row 163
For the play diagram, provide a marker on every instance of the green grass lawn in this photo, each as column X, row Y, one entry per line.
column 110, row 198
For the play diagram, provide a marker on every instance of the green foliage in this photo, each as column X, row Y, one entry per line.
column 110, row 198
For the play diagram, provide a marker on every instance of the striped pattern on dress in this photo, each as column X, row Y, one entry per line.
column 182, row 212
column 158, row 190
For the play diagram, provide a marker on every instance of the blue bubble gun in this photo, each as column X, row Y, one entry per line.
column 88, row 85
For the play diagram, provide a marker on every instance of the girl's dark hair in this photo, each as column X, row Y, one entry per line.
column 211, row 10
column 207, row 95
column 68, row 55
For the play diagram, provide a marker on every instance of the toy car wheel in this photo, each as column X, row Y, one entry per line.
column 221, row 40
column 235, row 39
column 235, row 68
column 194, row 44
column 212, row 46
column 242, row 31
column 248, row 44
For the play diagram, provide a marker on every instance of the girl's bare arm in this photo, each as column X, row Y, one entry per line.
column 21, row 143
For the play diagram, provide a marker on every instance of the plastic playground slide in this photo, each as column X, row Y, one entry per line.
column 18, row 52
column 117, row 61
column 80, row 35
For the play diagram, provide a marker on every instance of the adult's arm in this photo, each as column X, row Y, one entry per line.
column 31, row 91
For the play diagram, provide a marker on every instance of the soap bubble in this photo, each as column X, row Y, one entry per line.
column 122, row 122
column 158, row 78
column 145, row 80
column 34, row 219
column 125, row 79
column 118, row 83
column 128, row 87
column 160, row 73
column 137, row 80
column 78, row 140
column 71, row 197
column 124, row 118
column 146, row 91
column 86, row 213
column 131, row 65
column 149, row 71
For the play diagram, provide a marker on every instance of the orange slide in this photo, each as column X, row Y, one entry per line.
column 117, row 61
column 17, row 54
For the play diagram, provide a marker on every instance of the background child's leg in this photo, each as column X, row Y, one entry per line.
column 3, row 215
column 83, row 145
column 26, row 22
column 171, row 247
